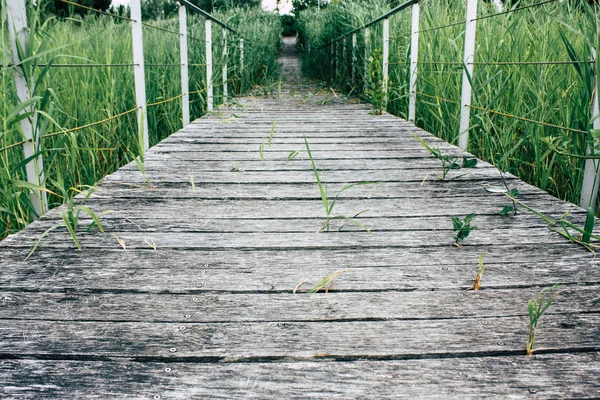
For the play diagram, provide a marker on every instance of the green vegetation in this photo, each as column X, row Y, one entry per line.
column 448, row 163
column 70, row 218
column 329, row 203
column 462, row 228
column 374, row 79
column 537, row 307
column 565, row 228
column 480, row 269
column 71, row 97
column 324, row 284
column 558, row 95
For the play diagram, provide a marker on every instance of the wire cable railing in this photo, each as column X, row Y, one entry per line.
column 342, row 67
column 32, row 144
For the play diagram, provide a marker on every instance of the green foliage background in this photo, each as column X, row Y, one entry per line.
column 79, row 96
column 553, row 94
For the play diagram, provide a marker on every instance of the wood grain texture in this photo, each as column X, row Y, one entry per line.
column 200, row 303
column 515, row 377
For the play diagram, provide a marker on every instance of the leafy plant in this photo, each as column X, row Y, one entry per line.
column 514, row 193
column 469, row 162
column 70, row 219
column 480, row 269
column 562, row 226
column 448, row 163
column 328, row 203
column 536, row 308
column 462, row 228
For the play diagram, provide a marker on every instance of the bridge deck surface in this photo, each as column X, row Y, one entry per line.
column 189, row 292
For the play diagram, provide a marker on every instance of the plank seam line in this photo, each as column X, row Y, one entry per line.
column 208, row 247
column 466, row 288
column 284, row 359
column 298, row 321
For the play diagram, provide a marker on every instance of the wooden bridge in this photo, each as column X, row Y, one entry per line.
column 199, row 286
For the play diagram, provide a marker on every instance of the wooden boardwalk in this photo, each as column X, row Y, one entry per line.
column 200, row 304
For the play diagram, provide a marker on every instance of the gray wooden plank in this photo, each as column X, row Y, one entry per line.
column 253, row 341
column 305, row 176
column 288, row 307
column 238, row 271
column 565, row 376
column 214, row 239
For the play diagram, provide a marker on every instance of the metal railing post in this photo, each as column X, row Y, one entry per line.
column 17, row 27
column 183, row 50
column 138, row 70
column 209, row 65
column 344, row 60
column 591, row 177
column 224, row 70
column 366, row 66
column 354, row 60
column 386, row 60
column 241, row 64
column 469, row 58
column 414, row 63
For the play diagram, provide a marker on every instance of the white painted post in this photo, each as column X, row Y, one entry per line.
column 386, row 60
column 138, row 70
column 469, row 58
column 224, row 71
column 591, row 177
column 367, row 53
column 414, row 59
column 209, row 65
column 17, row 27
column 354, row 60
column 242, row 64
column 183, row 50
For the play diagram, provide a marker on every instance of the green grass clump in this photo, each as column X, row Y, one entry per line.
column 554, row 94
column 329, row 203
column 73, row 97
column 536, row 307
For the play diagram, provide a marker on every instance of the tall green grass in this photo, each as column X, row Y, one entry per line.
column 80, row 96
column 554, row 94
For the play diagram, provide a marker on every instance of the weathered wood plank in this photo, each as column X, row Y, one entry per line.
column 139, row 222
column 300, row 163
column 408, row 208
column 309, row 190
column 213, row 239
column 253, row 341
column 305, row 176
column 301, row 307
column 237, row 271
column 522, row 377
